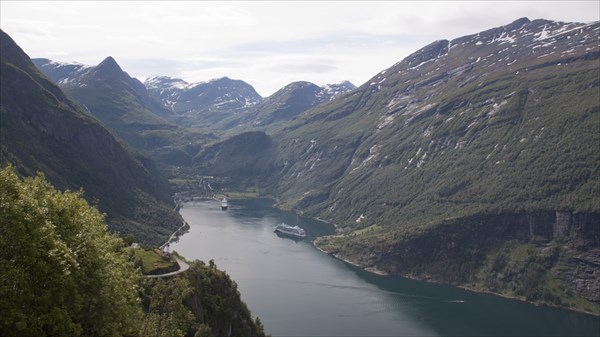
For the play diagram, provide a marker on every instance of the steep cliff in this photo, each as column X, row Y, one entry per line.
column 543, row 257
column 42, row 130
column 215, row 301
column 203, row 301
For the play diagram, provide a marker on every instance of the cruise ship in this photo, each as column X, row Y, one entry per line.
column 224, row 204
column 291, row 231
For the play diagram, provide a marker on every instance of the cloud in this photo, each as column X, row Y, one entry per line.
column 59, row 53
column 268, row 43
column 304, row 68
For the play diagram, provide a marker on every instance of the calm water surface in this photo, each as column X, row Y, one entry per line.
column 297, row 290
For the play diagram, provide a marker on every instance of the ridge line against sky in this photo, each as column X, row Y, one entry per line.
column 268, row 44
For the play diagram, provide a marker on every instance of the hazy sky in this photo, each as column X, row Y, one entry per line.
column 267, row 44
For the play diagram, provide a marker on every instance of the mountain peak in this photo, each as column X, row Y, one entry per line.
column 333, row 90
column 164, row 82
column 429, row 52
column 299, row 85
column 40, row 61
column 344, row 84
column 517, row 24
column 220, row 79
column 109, row 65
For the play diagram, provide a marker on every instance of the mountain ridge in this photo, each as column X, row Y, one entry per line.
column 497, row 127
column 218, row 104
column 202, row 104
column 42, row 130
column 292, row 100
column 127, row 108
column 490, row 136
column 234, row 103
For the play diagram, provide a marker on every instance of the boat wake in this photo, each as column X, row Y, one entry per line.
column 368, row 289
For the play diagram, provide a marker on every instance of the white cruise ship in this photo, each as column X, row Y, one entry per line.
column 291, row 231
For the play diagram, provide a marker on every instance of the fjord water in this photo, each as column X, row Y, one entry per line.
column 297, row 290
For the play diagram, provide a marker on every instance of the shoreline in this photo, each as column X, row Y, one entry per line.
column 370, row 270
column 463, row 287
column 382, row 273
column 175, row 235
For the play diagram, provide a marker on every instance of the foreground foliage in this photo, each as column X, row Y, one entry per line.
column 63, row 274
column 203, row 301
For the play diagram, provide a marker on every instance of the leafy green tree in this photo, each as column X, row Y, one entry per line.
column 128, row 239
column 63, row 274
column 166, row 313
column 204, row 331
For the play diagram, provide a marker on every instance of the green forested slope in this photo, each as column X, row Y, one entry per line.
column 42, row 130
column 462, row 149
column 63, row 274
column 465, row 149
column 459, row 130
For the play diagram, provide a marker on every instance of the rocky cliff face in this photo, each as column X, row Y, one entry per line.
column 543, row 257
column 454, row 238
column 215, row 301
column 477, row 123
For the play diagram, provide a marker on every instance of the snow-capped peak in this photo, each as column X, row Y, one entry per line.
column 165, row 82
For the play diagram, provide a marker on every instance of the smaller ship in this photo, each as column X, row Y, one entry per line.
column 290, row 231
column 224, row 204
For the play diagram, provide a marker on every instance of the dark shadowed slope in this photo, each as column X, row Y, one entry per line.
column 42, row 130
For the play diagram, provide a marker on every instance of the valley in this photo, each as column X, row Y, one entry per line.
column 434, row 165
column 472, row 162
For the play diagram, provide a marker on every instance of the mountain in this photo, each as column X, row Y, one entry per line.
column 126, row 107
column 292, row 100
column 331, row 91
column 240, row 157
column 472, row 162
column 60, row 71
column 203, row 104
column 223, row 104
column 74, row 75
column 42, row 130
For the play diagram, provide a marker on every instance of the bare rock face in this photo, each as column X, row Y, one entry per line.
column 584, row 277
column 455, row 252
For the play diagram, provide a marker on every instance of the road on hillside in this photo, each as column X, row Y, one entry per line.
column 183, row 266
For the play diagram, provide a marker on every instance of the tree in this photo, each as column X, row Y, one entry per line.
column 62, row 272
column 166, row 313
column 128, row 239
column 204, row 331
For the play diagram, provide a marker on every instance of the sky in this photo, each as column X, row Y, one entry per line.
column 268, row 44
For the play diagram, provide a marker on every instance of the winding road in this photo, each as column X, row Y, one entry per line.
column 183, row 266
